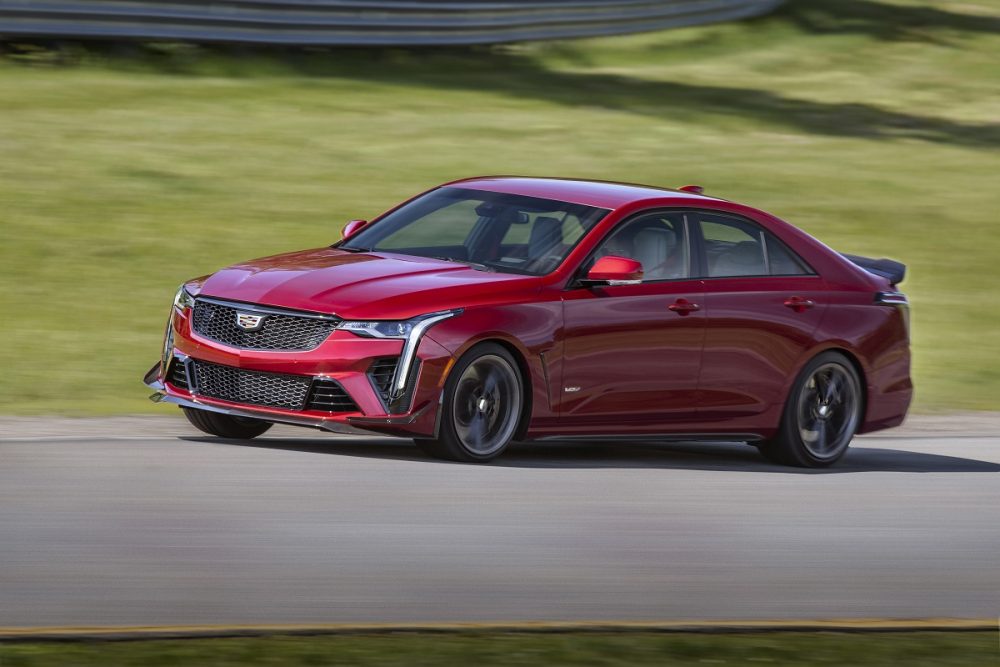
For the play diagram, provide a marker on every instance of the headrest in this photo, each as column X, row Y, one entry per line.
column 661, row 236
column 545, row 234
column 746, row 253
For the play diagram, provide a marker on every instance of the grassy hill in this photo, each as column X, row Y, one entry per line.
column 873, row 125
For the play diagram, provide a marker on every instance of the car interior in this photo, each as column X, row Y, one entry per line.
column 657, row 242
column 531, row 237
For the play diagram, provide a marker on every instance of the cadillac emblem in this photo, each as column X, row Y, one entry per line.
column 249, row 321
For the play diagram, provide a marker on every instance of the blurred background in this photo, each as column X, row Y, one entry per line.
column 130, row 164
column 144, row 142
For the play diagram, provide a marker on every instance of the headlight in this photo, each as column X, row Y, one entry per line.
column 183, row 299
column 380, row 329
column 389, row 329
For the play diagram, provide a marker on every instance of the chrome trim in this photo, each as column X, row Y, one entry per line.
column 270, row 310
column 617, row 283
column 405, row 366
column 168, row 344
column 763, row 247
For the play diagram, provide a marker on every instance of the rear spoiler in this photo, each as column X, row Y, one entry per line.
column 887, row 268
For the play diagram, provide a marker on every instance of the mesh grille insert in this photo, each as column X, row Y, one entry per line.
column 276, row 331
column 254, row 387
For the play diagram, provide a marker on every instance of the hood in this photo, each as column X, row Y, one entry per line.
column 376, row 285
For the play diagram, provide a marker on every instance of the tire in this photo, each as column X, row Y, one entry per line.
column 821, row 415
column 483, row 402
column 226, row 426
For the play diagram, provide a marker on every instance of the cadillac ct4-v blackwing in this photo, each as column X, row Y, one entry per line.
column 503, row 309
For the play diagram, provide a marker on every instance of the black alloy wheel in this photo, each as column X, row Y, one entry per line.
column 821, row 416
column 483, row 402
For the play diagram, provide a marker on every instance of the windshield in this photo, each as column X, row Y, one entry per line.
column 488, row 230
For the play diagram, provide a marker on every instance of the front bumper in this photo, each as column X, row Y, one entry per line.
column 343, row 358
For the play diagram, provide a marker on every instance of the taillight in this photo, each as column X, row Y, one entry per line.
column 891, row 299
column 900, row 302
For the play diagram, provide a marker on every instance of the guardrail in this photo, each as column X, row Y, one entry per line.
column 358, row 22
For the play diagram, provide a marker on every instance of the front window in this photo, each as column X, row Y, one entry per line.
column 658, row 241
column 488, row 230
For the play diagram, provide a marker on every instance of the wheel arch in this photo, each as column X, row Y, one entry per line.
column 523, row 367
column 859, row 368
column 856, row 361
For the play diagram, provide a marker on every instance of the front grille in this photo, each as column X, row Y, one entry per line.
column 328, row 396
column 254, row 387
column 177, row 374
column 277, row 331
column 381, row 373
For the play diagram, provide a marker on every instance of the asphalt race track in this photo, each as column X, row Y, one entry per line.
column 145, row 522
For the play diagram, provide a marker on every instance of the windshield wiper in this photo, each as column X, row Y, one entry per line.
column 475, row 265
column 353, row 249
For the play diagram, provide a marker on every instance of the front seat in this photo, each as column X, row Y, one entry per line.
column 545, row 242
column 653, row 246
column 746, row 258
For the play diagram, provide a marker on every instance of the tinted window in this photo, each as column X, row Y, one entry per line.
column 502, row 231
column 782, row 261
column 733, row 248
column 453, row 224
column 657, row 240
column 737, row 247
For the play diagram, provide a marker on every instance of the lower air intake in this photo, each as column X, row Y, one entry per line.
column 328, row 396
column 177, row 375
column 238, row 385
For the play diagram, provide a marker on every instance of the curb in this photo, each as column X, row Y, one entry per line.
column 132, row 633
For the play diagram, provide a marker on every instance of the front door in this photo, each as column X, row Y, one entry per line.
column 632, row 353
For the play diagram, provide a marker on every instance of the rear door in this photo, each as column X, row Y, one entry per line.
column 763, row 305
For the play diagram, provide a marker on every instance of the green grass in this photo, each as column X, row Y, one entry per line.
column 873, row 125
column 551, row 650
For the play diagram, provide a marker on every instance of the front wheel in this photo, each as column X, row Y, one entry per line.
column 226, row 426
column 483, row 398
column 821, row 415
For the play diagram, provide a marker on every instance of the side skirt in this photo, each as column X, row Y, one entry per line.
column 654, row 437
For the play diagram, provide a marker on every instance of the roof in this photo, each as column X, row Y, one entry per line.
column 602, row 194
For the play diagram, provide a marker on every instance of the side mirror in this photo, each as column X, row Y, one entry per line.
column 612, row 270
column 352, row 228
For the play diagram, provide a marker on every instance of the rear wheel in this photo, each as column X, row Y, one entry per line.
column 482, row 405
column 821, row 415
column 226, row 426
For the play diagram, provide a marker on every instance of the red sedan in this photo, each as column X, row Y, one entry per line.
column 493, row 310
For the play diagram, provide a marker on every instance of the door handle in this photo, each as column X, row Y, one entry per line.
column 799, row 304
column 683, row 307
